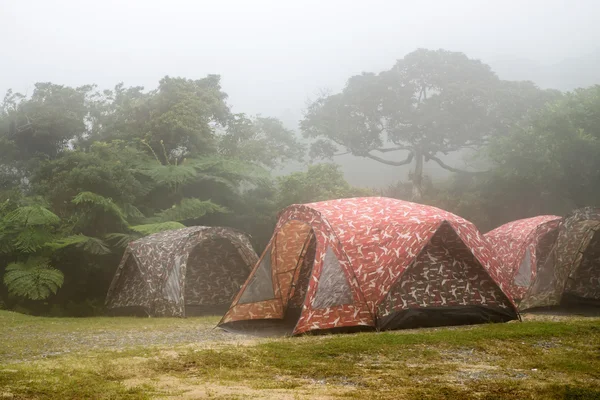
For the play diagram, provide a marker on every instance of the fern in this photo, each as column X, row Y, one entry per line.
column 89, row 244
column 131, row 211
column 123, row 239
column 230, row 169
column 34, row 279
column 149, row 229
column 32, row 239
column 32, row 216
column 170, row 175
column 103, row 203
column 139, row 231
column 188, row 209
column 6, row 241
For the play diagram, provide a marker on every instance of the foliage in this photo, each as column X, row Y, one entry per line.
column 84, row 172
column 263, row 141
column 321, row 182
column 555, row 152
column 89, row 244
column 32, row 216
column 188, row 209
column 33, row 279
column 430, row 103
column 149, row 229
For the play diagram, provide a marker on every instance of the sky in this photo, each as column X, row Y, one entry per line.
column 273, row 55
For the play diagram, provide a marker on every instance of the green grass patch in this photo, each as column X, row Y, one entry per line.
column 529, row 360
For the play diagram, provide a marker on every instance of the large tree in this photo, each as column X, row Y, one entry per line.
column 430, row 103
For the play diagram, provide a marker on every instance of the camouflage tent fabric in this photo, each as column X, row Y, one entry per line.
column 374, row 263
column 166, row 273
column 521, row 246
column 571, row 271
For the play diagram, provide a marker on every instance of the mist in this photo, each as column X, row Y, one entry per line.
column 274, row 56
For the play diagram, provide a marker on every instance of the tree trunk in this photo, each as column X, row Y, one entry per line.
column 417, row 179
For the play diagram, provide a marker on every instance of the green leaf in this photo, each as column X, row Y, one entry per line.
column 34, row 279
column 149, row 229
column 170, row 175
column 101, row 202
column 131, row 211
column 188, row 209
column 230, row 169
column 91, row 245
column 32, row 239
column 32, row 216
column 122, row 239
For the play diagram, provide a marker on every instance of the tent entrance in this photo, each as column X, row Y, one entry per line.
column 215, row 273
column 282, row 276
column 445, row 285
column 299, row 285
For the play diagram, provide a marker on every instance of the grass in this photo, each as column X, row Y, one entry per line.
column 530, row 360
column 32, row 337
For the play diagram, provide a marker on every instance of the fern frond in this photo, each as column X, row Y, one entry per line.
column 104, row 203
column 31, row 239
column 34, row 279
column 230, row 169
column 122, row 239
column 32, row 216
column 149, row 229
column 228, row 183
column 132, row 212
column 188, row 209
column 6, row 239
column 89, row 244
column 170, row 175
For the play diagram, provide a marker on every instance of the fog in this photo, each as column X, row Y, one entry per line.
column 274, row 55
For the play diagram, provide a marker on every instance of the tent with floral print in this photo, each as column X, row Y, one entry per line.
column 181, row 272
column 570, row 274
column 521, row 246
column 370, row 263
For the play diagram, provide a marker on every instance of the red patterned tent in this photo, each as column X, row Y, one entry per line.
column 522, row 245
column 370, row 263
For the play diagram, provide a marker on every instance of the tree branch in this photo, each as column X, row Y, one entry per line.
column 342, row 154
column 406, row 161
column 393, row 149
column 452, row 169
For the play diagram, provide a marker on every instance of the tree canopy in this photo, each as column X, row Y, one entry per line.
column 430, row 103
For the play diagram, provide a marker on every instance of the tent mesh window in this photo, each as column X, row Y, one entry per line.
column 172, row 288
column 333, row 289
column 260, row 287
column 523, row 277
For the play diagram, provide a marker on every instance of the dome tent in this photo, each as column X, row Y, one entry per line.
column 570, row 275
column 521, row 246
column 370, row 263
column 181, row 272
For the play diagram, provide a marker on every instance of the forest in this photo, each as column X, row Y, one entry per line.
column 84, row 171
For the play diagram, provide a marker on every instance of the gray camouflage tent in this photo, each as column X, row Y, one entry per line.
column 182, row 272
column 570, row 274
